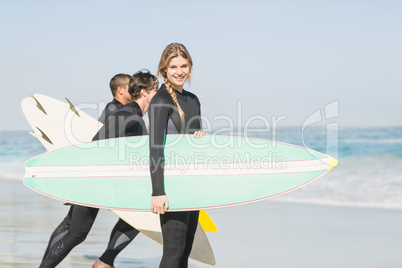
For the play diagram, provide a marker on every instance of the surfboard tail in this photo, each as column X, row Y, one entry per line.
column 332, row 163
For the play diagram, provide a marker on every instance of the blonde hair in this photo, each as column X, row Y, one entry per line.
column 174, row 50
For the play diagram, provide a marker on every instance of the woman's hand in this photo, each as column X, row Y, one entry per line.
column 198, row 134
column 159, row 204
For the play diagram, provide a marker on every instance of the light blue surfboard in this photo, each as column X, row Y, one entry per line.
column 206, row 173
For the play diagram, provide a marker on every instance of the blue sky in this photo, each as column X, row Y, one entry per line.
column 278, row 58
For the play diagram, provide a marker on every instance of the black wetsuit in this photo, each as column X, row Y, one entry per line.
column 178, row 228
column 110, row 108
column 127, row 121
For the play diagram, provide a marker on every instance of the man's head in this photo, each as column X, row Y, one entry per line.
column 119, row 87
column 142, row 87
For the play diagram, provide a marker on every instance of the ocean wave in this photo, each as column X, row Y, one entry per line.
column 369, row 181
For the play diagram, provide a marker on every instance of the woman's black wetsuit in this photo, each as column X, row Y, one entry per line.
column 127, row 121
column 178, row 228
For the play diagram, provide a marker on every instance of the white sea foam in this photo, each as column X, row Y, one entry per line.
column 360, row 182
column 12, row 171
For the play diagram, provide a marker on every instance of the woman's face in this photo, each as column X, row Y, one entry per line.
column 177, row 72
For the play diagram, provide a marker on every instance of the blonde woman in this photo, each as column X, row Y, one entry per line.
column 173, row 110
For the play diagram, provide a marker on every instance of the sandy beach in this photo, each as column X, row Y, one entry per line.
column 265, row 234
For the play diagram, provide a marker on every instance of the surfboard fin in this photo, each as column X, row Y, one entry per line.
column 206, row 222
column 40, row 107
column 46, row 138
column 33, row 134
column 72, row 107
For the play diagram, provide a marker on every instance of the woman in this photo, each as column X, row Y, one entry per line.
column 172, row 110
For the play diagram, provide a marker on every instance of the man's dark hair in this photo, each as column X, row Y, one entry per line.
column 119, row 80
column 142, row 79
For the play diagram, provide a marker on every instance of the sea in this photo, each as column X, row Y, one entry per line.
column 367, row 174
column 354, row 208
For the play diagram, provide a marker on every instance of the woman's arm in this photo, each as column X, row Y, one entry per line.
column 158, row 114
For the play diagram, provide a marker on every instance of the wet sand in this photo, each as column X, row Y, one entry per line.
column 265, row 234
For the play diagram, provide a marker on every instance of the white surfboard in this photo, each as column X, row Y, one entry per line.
column 60, row 124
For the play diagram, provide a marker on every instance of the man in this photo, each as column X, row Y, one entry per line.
column 127, row 121
column 119, row 87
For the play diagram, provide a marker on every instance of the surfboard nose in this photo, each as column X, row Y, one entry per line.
column 332, row 163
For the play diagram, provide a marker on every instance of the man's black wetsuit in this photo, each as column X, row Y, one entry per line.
column 178, row 228
column 127, row 121
column 110, row 108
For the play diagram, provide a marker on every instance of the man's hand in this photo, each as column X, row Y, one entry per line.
column 159, row 204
